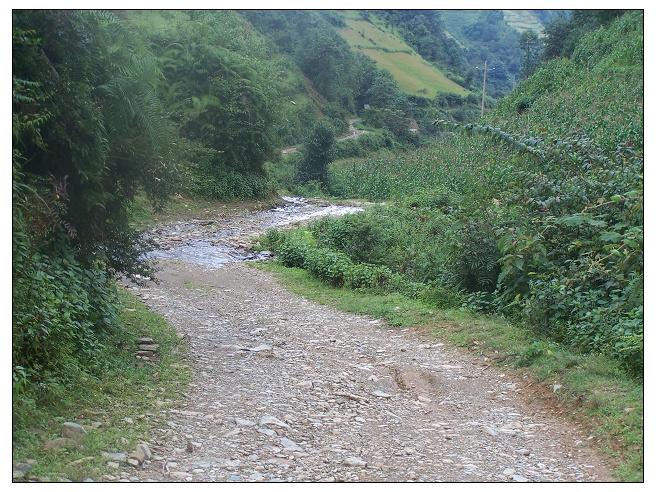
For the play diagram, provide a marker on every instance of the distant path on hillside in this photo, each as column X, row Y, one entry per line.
column 353, row 132
column 285, row 389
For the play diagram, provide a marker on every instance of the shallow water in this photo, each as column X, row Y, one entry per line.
column 215, row 242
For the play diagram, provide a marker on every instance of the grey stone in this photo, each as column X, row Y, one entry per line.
column 141, row 453
column 73, row 430
column 149, row 347
column 354, row 461
column 120, row 456
column 267, row 420
column 290, row 445
column 20, row 470
column 244, row 422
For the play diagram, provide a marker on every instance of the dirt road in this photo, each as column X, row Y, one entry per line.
column 285, row 389
column 353, row 132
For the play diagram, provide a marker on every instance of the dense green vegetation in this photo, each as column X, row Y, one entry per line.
column 120, row 387
column 89, row 132
column 485, row 35
column 546, row 225
column 563, row 32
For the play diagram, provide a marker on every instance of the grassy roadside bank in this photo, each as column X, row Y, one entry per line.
column 117, row 407
column 593, row 389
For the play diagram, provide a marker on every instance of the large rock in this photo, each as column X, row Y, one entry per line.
column 73, row 430
column 141, row 453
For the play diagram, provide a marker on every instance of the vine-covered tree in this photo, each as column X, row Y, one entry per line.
column 531, row 47
column 317, row 154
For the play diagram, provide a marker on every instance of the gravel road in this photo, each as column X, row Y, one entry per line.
column 284, row 389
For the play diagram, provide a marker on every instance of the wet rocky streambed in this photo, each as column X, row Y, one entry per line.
column 215, row 242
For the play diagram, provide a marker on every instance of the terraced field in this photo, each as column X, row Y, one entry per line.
column 414, row 75
column 523, row 20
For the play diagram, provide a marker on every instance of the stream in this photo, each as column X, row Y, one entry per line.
column 215, row 242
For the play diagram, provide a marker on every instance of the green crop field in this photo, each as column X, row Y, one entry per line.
column 413, row 74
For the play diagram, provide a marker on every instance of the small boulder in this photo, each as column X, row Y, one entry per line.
column 73, row 430
column 141, row 453
column 148, row 347
column 268, row 420
column 20, row 470
column 290, row 445
column 354, row 461
column 115, row 456
column 145, row 450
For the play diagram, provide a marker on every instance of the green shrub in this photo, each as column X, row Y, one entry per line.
column 367, row 276
column 327, row 265
column 441, row 296
column 292, row 253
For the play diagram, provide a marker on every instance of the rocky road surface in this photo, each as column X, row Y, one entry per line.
column 285, row 389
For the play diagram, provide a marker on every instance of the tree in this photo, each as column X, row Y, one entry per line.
column 105, row 134
column 318, row 153
column 530, row 44
column 563, row 33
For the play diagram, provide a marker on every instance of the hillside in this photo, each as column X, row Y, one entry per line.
column 240, row 39
column 390, row 52
column 486, row 35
